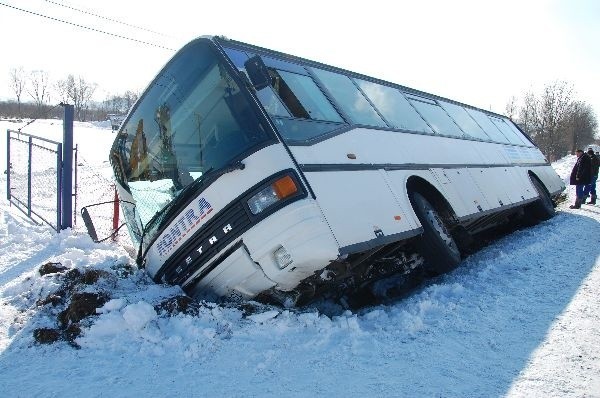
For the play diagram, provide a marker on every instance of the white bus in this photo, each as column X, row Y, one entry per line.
column 245, row 172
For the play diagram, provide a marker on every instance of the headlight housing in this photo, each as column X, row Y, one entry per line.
column 281, row 188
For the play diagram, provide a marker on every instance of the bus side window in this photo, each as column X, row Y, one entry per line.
column 436, row 116
column 287, row 96
column 487, row 126
column 304, row 99
column 509, row 133
column 349, row 97
column 464, row 120
column 518, row 132
column 394, row 107
column 272, row 103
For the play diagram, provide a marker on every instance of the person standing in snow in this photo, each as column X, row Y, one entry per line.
column 580, row 177
column 595, row 164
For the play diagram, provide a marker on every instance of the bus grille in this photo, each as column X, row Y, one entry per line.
column 223, row 229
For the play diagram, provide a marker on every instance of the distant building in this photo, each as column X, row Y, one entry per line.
column 116, row 120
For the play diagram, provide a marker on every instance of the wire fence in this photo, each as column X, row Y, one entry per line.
column 33, row 186
column 33, row 177
column 95, row 191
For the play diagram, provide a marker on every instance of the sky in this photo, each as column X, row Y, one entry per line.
column 479, row 53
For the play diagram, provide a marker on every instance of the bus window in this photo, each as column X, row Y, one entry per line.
column 303, row 98
column 507, row 131
column 238, row 57
column 271, row 102
column 349, row 97
column 266, row 96
column 298, row 131
column 436, row 116
column 464, row 120
column 394, row 107
column 487, row 126
column 514, row 128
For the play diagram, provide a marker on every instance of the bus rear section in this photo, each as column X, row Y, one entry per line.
column 252, row 173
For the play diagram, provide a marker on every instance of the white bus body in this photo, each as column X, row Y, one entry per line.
column 318, row 187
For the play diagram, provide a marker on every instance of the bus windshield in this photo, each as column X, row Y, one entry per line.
column 193, row 119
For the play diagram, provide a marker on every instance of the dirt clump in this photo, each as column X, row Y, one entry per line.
column 46, row 335
column 51, row 268
column 76, row 304
column 178, row 305
column 81, row 306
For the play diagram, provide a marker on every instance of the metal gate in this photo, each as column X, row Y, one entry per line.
column 34, row 177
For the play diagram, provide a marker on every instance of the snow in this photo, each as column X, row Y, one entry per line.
column 519, row 318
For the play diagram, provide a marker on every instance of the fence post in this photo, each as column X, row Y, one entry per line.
column 8, row 164
column 75, row 182
column 66, row 189
column 58, row 185
column 29, row 153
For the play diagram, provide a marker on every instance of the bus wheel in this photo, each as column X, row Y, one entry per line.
column 543, row 208
column 437, row 245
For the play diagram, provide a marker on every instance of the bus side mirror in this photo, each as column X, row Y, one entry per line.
column 89, row 224
column 258, row 72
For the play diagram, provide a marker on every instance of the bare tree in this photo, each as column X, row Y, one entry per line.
column 38, row 88
column 120, row 104
column 512, row 107
column 78, row 92
column 130, row 99
column 17, row 83
column 581, row 125
column 545, row 118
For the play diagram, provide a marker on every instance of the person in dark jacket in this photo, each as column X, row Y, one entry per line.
column 595, row 164
column 580, row 177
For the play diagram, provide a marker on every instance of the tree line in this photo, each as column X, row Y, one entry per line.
column 555, row 119
column 37, row 97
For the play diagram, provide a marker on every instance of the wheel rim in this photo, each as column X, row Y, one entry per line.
column 439, row 226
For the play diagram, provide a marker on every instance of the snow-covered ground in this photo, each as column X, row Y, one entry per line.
column 520, row 318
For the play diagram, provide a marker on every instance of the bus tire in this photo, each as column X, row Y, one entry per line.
column 543, row 208
column 436, row 245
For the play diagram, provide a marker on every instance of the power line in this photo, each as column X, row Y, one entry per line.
column 105, row 18
column 87, row 27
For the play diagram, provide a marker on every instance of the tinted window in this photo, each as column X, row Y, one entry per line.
column 487, row 125
column 349, row 97
column 464, row 120
column 519, row 133
column 237, row 57
column 394, row 107
column 275, row 63
column 271, row 102
column 299, row 130
column 507, row 131
column 303, row 97
column 436, row 116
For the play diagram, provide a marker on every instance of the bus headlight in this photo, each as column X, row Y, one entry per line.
column 280, row 189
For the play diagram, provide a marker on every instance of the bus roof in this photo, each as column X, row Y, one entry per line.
column 226, row 42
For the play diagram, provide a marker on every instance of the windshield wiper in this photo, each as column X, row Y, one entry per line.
column 165, row 215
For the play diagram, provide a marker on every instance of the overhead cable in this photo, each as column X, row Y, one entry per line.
column 105, row 18
column 87, row 27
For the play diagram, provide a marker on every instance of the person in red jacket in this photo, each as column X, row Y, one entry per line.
column 580, row 177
